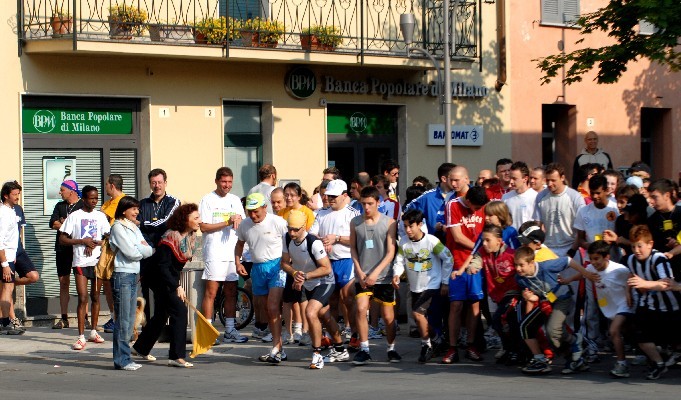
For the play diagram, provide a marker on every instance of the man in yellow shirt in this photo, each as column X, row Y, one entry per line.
column 114, row 189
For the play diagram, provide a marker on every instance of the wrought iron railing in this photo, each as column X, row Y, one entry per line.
column 354, row 26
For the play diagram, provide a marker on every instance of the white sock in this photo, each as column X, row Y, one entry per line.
column 230, row 324
column 82, row 337
column 426, row 342
column 391, row 346
column 274, row 351
column 364, row 346
column 298, row 327
column 93, row 332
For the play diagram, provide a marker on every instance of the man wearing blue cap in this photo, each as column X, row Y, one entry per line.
column 71, row 202
column 264, row 234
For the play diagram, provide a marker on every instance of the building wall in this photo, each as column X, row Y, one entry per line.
column 615, row 108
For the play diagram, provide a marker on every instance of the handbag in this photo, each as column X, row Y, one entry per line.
column 105, row 266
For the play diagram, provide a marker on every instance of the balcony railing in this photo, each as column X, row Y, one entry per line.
column 366, row 27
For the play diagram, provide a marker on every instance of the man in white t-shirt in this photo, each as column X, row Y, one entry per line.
column 268, row 179
column 264, row 233
column 221, row 212
column 332, row 226
column 84, row 230
column 520, row 200
column 9, row 241
column 556, row 207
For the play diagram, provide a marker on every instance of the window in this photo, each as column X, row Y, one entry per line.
column 245, row 9
column 243, row 143
column 559, row 12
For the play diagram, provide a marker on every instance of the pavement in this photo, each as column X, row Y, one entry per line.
column 40, row 363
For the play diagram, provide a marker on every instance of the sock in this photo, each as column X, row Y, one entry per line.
column 391, row 346
column 298, row 328
column 82, row 337
column 274, row 351
column 364, row 346
column 339, row 347
column 230, row 324
column 426, row 342
column 538, row 356
column 65, row 317
column 93, row 332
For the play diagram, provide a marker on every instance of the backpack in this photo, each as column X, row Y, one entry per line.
column 310, row 239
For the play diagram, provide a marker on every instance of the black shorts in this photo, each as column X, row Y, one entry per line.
column 64, row 262
column 291, row 295
column 656, row 326
column 381, row 293
column 322, row 293
column 88, row 272
column 420, row 302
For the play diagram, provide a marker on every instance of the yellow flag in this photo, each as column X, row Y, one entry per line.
column 203, row 336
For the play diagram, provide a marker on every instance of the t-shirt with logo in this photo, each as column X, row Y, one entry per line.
column 219, row 245
column 265, row 239
column 611, row 290
column 80, row 225
column 471, row 223
column 301, row 260
column 593, row 221
column 427, row 261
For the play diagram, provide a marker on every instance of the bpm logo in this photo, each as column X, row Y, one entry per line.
column 300, row 83
column 44, row 121
column 358, row 122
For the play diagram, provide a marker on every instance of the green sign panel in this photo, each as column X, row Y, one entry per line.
column 69, row 121
column 361, row 121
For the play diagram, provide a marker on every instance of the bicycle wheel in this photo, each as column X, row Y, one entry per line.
column 244, row 308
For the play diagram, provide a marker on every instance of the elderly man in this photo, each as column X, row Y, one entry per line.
column 591, row 154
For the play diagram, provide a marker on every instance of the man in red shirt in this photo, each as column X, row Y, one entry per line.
column 465, row 218
column 495, row 192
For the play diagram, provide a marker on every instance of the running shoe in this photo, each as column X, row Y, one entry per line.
column 267, row 338
column 472, row 354
column 305, row 339
column 337, row 356
column 280, row 356
column 374, row 333
column 656, row 372
column 132, row 367
column 109, row 326
column 317, row 361
column 233, row 336
column 537, row 366
column 394, row 357
column 426, row 354
column 573, row 367
column 620, row 371
column 451, row 357
column 95, row 338
column 79, row 345
column 361, row 358
column 61, row 324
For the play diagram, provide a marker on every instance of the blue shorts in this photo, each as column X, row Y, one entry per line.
column 466, row 288
column 343, row 271
column 267, row 275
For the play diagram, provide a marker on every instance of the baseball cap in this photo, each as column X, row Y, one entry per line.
column 532, row 234
column 336, row 187
column 635, row 180
column 255, row 201
column 637, row 204
column 296, row 219
column 640, row 167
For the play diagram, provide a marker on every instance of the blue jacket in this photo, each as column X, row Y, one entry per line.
column 432, row 204
column 127, row 240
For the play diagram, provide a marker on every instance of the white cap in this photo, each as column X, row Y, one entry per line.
column 336, row 187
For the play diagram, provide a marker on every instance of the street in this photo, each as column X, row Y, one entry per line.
column 41, row 364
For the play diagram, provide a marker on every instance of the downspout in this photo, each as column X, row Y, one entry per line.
column 501, row 41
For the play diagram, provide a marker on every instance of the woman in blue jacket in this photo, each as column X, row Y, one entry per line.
column 127, row 240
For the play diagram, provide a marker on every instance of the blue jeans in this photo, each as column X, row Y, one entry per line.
column 124, row 288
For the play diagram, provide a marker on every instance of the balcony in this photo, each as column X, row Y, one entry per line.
column 347, row 31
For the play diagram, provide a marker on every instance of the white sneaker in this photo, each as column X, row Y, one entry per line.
column 305, row 339
column 267, row 338
column 233, row 336
column 317, row 361
column 337, row 356
column 132, row 367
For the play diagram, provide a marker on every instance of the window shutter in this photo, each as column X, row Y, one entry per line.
column 550, row 13
column 570, row 11
column 646, row 28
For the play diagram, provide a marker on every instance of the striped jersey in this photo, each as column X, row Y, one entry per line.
column 654, row 268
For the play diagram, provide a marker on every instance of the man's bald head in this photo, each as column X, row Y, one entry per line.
column 459, row 180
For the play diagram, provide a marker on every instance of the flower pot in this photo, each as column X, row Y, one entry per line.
column 252, row 39
column 120, row 30
column 61, row 25
column 309, row 42
column 200, row 38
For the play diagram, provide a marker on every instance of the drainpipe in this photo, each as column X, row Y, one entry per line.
column 501, row 41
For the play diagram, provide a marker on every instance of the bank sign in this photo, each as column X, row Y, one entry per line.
column 462, row 135
column 76, row 121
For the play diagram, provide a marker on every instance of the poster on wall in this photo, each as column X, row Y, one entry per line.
column 55, row 171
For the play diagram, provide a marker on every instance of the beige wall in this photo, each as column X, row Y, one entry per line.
column 10, row 87
column 615, row 108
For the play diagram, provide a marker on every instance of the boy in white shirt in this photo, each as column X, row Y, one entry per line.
column 428, row 263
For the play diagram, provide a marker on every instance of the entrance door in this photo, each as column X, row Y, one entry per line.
column 361, row 137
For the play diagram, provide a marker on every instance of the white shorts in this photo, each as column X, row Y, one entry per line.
column 220, row 271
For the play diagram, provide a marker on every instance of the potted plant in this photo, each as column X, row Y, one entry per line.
column 126, row 20
column 320, row 37
column 60, row 22
column 257, row 32
column 213, row 30
column 163, row 31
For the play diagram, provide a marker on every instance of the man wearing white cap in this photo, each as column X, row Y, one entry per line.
column 264, row 234
column 332, row 226
column 305, row 259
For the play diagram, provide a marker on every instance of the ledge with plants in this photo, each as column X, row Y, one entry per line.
column 61, row 22
column 126, row 21
column 216, row 30
column 320, row 38
column 256, row 32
